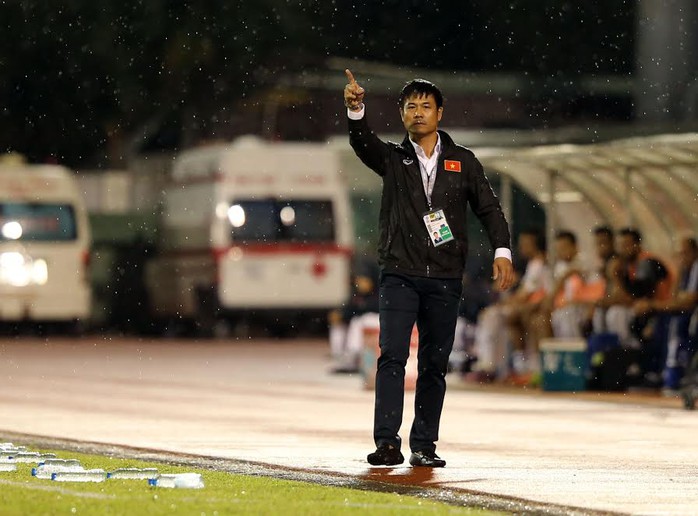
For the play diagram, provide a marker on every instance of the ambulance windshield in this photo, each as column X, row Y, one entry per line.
column 37, row 222
column 274, row 220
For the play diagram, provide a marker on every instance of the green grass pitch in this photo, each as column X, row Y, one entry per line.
column 224, row 493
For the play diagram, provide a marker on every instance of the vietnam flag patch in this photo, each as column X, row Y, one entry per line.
column 452, row 165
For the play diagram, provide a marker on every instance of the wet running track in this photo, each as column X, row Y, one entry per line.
column 275, row 403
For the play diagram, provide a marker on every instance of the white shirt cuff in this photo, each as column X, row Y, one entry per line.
column 502, row 252
column 356, row 115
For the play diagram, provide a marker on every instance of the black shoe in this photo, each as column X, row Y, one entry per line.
column 385, row 455
column 427, row 459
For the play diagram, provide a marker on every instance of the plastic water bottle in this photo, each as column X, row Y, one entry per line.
column 8, row 465
column 60, row 462
column 50, row 466
column 35, row 457
column 27, row 457
column 9, row 453
column 133, row 474
column 178, row 480
column 24, row 456
column 12, row 448
column 86, row 475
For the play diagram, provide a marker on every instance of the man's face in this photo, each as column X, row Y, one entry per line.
column 527, row 246
column 565, row 250
column 420, row 115
column 604, row 245
column 629, row 248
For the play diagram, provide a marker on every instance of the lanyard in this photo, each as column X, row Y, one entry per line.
column 428, row 184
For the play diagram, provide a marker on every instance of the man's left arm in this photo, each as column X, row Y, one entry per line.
column 486, row 207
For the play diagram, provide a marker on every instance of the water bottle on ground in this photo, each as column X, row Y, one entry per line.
column 51, row 466
column 12, row 448
column 62, row 462
column 133, row 474
column 178, row 480
column 28, row 457
column 8, row 465
column 23, row 456
column 86, row 475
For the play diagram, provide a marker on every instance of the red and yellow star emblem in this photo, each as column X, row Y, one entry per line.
column 452, row 165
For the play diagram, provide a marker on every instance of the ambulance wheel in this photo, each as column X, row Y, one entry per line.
column 207, row 318
column 222, row 329
column 176, row 327
column 75, row 328
column 689, row 401
column 282, row 331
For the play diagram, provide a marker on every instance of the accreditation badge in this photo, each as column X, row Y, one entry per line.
column 437, row 227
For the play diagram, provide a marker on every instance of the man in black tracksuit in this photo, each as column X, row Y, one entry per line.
column 428, row 181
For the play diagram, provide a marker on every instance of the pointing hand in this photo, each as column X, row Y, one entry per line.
column 353, row 93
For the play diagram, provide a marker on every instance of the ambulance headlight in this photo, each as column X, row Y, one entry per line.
column 40, row 272
column 12, row 260
column 13, row 269
column 12, row 230
column 19, row 271
column 287, row 216
column 236, row 216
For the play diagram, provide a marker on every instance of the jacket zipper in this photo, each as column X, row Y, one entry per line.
column 426, row 198
column 429, row 207
column 428, row 241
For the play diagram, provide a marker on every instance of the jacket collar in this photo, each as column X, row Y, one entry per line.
column 418, row 149
column 446, row 143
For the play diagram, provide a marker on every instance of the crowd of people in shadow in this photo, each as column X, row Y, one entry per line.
column 636, row 311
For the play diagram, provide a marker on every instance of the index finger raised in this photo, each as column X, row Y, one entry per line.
column 350, row 76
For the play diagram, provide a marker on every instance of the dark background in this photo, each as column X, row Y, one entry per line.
column 81, row 78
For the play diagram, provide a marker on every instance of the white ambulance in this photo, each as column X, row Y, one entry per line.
column 253, row 229
column 44, row 245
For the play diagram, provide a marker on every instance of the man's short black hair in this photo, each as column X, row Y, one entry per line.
column 566, row 235
column 420, row 87
column 604, row 230
column 632, row 233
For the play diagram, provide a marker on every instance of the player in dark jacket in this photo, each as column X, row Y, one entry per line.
column 428, row 182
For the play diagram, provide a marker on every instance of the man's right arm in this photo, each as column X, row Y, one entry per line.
column 368, row 147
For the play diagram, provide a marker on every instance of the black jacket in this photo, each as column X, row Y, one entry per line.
column 404, row 245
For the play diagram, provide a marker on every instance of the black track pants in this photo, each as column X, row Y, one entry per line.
column 433, row 304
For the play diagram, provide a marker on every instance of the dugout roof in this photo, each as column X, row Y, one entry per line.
column 649, row 182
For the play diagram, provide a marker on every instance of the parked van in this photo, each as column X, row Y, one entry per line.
column 253, row 228
column 44, row 245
